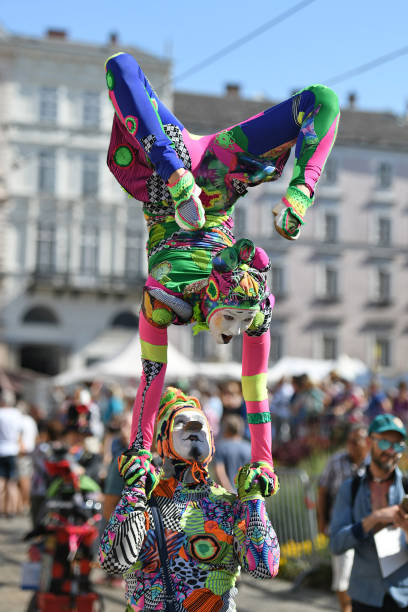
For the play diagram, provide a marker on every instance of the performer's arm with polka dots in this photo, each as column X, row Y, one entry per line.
column 141, row 112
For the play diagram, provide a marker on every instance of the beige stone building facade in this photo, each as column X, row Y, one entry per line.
column 342, row 287
column 72, row 248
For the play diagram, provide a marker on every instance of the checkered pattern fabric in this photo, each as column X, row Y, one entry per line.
column 265, row 325
column 156, row 187
column 239, row 187
column 158, row 191
column 151, row 369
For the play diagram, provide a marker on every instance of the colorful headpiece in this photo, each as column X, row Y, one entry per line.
column 237, row 280
column 173, row 400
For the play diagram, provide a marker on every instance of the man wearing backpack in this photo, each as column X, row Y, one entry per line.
column 366, row 504
column 342, row 465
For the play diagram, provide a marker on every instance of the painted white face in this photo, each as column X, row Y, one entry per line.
column 229, row 322
column 190, row 434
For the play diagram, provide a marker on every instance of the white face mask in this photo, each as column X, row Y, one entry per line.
column 190, row 435
column 228, row 322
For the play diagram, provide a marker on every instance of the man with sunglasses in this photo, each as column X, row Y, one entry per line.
column 363, row 506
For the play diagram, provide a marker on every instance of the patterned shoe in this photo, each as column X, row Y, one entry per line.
column 189, row 212
column 290, row 212
column 286, row 224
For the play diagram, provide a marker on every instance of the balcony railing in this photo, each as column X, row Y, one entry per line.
column 85, row 282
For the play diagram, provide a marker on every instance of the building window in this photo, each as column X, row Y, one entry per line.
column 46, row 171
column 91, row 109
column 236, row 348
column 382, row 288
column 240, row 221
column 330, row 228
column 40, row 314
column 384, row 232
column 125, row 319
column 276, row 350
column 46, row 247
column 134, row 254
column 90, row 174
column 200, row 347
column 384, row 175
column 328, row 288
column 329, row 346
column 48, row 104
column 382, row 350
column 277, row 280
column 330, row 172
column 89, row 249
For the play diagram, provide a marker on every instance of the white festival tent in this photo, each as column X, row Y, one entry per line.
column 317, row 369
column 127, row 364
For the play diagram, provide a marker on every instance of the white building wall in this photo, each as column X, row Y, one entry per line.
column 83, row 302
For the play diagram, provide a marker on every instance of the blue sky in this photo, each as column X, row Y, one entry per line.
column 315, row 44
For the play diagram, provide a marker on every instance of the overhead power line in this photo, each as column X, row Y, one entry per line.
column 244, row 39
column 368, row 66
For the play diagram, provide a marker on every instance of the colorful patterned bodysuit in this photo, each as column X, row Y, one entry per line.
column 210, row 534
column 148, row 143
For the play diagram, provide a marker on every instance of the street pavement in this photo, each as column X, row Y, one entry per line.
column 254, row 596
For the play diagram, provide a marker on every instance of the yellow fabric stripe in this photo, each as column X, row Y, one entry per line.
column 153, row 352
column 112, row 56
column 254, row 388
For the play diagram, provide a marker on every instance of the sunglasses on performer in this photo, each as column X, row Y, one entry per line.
column 385, row 445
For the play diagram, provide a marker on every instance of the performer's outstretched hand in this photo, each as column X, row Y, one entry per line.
column 137, row 469
column 256, row 480
column 189, row 211
column 290, row 212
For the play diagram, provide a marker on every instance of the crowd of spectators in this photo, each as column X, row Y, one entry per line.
column 93, row 421
column 303, row 414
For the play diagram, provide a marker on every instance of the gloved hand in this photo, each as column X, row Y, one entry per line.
column 290, row 212
column 136, row 468
column 256, row 481
column 189, row 211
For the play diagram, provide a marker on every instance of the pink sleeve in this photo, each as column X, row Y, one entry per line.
column 254, row 387
column 153, row 342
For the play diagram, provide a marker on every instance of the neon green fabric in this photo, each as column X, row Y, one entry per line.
column 255, row 418
column 153, row 352
column 254, row 388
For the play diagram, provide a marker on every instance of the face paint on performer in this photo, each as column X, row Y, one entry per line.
column 226, row 323
column 190, row 434
column 184, row 437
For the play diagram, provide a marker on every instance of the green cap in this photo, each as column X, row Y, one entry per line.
column 387, row 422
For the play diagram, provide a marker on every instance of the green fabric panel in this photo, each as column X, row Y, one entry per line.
column 153, row 352
column 176, row 267
column 254, row 388
column 258, row 417
column 53, row 488
column 322, row 120
column 87, row 483
column 239, row 137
